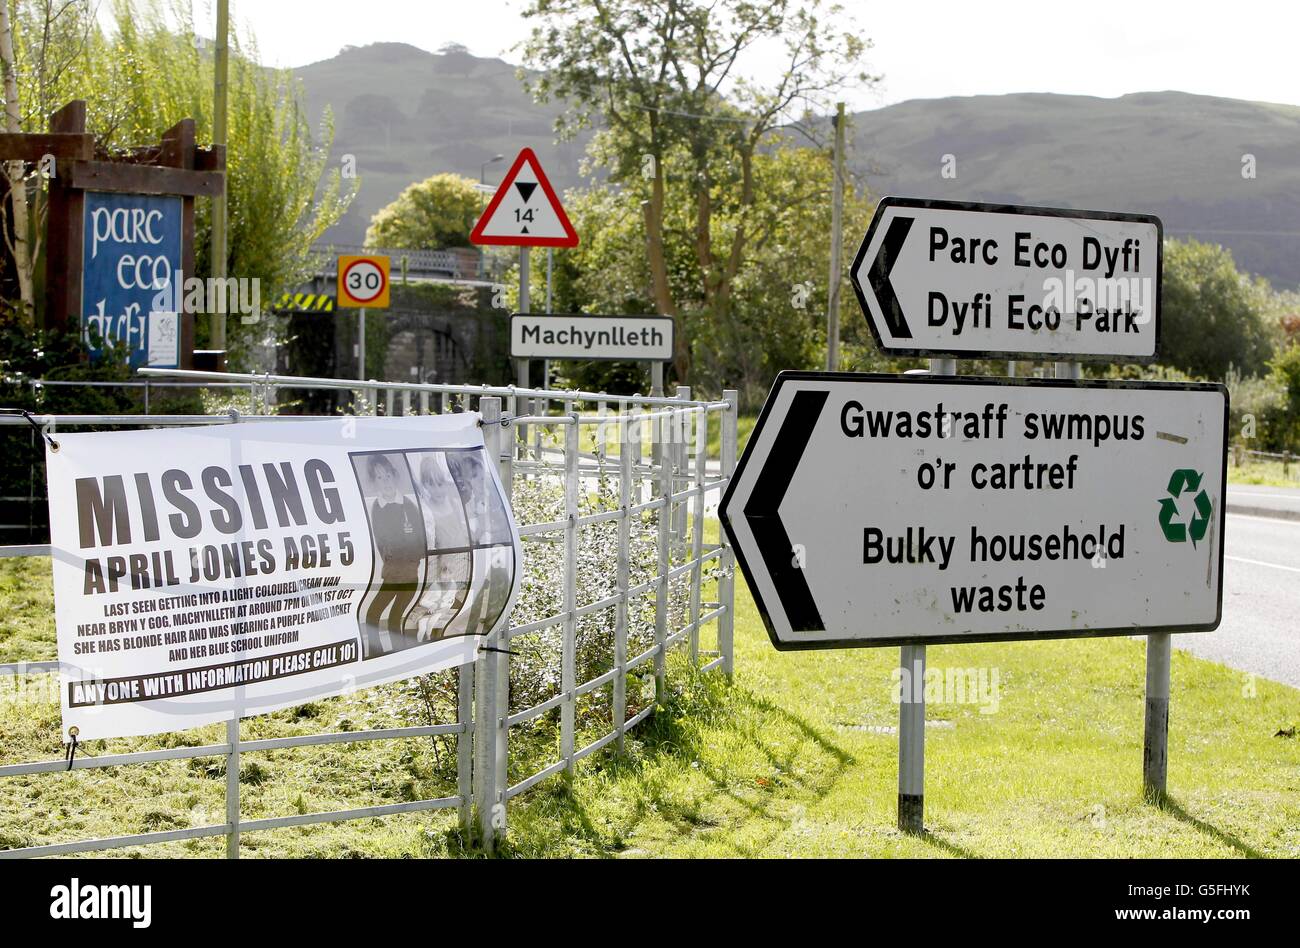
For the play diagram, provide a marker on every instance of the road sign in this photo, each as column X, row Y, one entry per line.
column 1003, row 281
column 888, row 510
column 363, row 281
column 525, row 211
column 133, row 253
column 627, row 338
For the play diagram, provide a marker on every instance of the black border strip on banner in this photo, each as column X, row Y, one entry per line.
column 986, row 382
column 672, row 337
column 1022, row 210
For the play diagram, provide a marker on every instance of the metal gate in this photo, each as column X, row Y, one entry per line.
column 661, row 466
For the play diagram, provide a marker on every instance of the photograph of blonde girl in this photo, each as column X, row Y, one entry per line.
column 397, row 532
column 448, row 566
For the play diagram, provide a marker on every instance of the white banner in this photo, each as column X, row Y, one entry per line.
column 204, row 573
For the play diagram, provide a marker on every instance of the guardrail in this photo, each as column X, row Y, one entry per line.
column 672, row 483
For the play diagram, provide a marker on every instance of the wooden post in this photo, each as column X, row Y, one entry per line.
column 63, row 237
column 837, row 238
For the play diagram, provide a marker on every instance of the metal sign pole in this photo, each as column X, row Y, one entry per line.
column 522, row 405
column 361, row 343
column 911, row 710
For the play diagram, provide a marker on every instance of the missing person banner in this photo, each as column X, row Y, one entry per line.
column 204, row 573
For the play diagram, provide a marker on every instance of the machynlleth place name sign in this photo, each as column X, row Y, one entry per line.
column 1003, row 281
column 888, row 510
column 624, row 338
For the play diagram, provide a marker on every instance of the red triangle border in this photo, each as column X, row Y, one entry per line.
column 477, row 236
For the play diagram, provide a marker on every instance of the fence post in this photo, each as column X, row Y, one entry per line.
column 697, row 530
column 623, row 578
column 665, row 473
column 232, row 787
column 727, row 561
column 465, row 748
column 681, row 437
column 489, row 736
column 569, row 648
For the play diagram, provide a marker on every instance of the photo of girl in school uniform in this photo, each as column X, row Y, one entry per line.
column 448, row 568
column 397, row 531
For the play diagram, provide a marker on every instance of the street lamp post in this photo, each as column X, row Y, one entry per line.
column 483, row 167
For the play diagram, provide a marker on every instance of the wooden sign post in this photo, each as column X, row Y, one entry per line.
column 175, row 168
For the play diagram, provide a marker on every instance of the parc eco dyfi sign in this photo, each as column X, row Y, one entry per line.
column 942, row 278
column 132, row 251
column 895, row 510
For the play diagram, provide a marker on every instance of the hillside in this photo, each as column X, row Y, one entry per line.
column 1168, row 153
column 406, row 114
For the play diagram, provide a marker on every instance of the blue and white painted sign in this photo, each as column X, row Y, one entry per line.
column 131, row 253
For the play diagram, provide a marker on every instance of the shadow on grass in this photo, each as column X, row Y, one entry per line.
column 938, row 842
column 1168, row 804
column 681, row 733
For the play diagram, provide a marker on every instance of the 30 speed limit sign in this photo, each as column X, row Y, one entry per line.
column 363, row 281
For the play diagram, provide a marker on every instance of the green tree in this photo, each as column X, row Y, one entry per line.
column 1213, row 314
column 149, row 71
column 435, row 213
column 1285, row 375
column 667, row 81
column 776, row 317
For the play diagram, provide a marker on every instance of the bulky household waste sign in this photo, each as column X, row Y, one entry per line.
column 875, row 510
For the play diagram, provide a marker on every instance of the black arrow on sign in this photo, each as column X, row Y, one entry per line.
column 763, row 511
column 890, row 248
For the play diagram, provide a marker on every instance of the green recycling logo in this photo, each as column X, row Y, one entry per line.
column 1185, row 481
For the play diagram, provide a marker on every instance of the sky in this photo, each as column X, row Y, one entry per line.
column 923, row 48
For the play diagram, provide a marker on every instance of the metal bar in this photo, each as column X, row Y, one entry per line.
column 1155, row 731
column 911, row 741
column 298, row 381
column 465, row 747
column 661, row 588
column 349, row 737
column 596, row 745
column 727, row 559
column 360, row 813
column 112, row 842
column 697, row 531
column 569, row 649
column 487, row 724
column 622, row 577
column 114, row 760
column 232, row 789
column 529, row 782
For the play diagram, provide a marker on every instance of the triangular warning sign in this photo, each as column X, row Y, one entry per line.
column 518, row 215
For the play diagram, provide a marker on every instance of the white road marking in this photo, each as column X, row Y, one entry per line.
column 1242, row 559
column 1251, row 493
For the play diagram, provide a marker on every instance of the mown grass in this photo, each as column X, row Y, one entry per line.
column 796, row 757
column 1265, row 473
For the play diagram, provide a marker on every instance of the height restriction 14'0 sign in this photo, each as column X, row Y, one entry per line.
column 886, row 510
column 1003, row 281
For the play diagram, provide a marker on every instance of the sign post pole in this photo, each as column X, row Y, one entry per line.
column 361, row 343
column 1155, row 733
column 911, row 710
column 911, row 741
column 522, row 366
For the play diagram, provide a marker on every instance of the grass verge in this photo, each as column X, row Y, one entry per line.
column 796, row 757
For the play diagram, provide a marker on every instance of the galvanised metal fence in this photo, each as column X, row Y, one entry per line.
column 537, row 436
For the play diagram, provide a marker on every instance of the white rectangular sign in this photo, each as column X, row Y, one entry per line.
column 1007, row 281
column 205, row 573
column 622, row 338
column 873, row 510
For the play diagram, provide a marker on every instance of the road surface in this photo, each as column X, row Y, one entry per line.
column 1260, row 632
